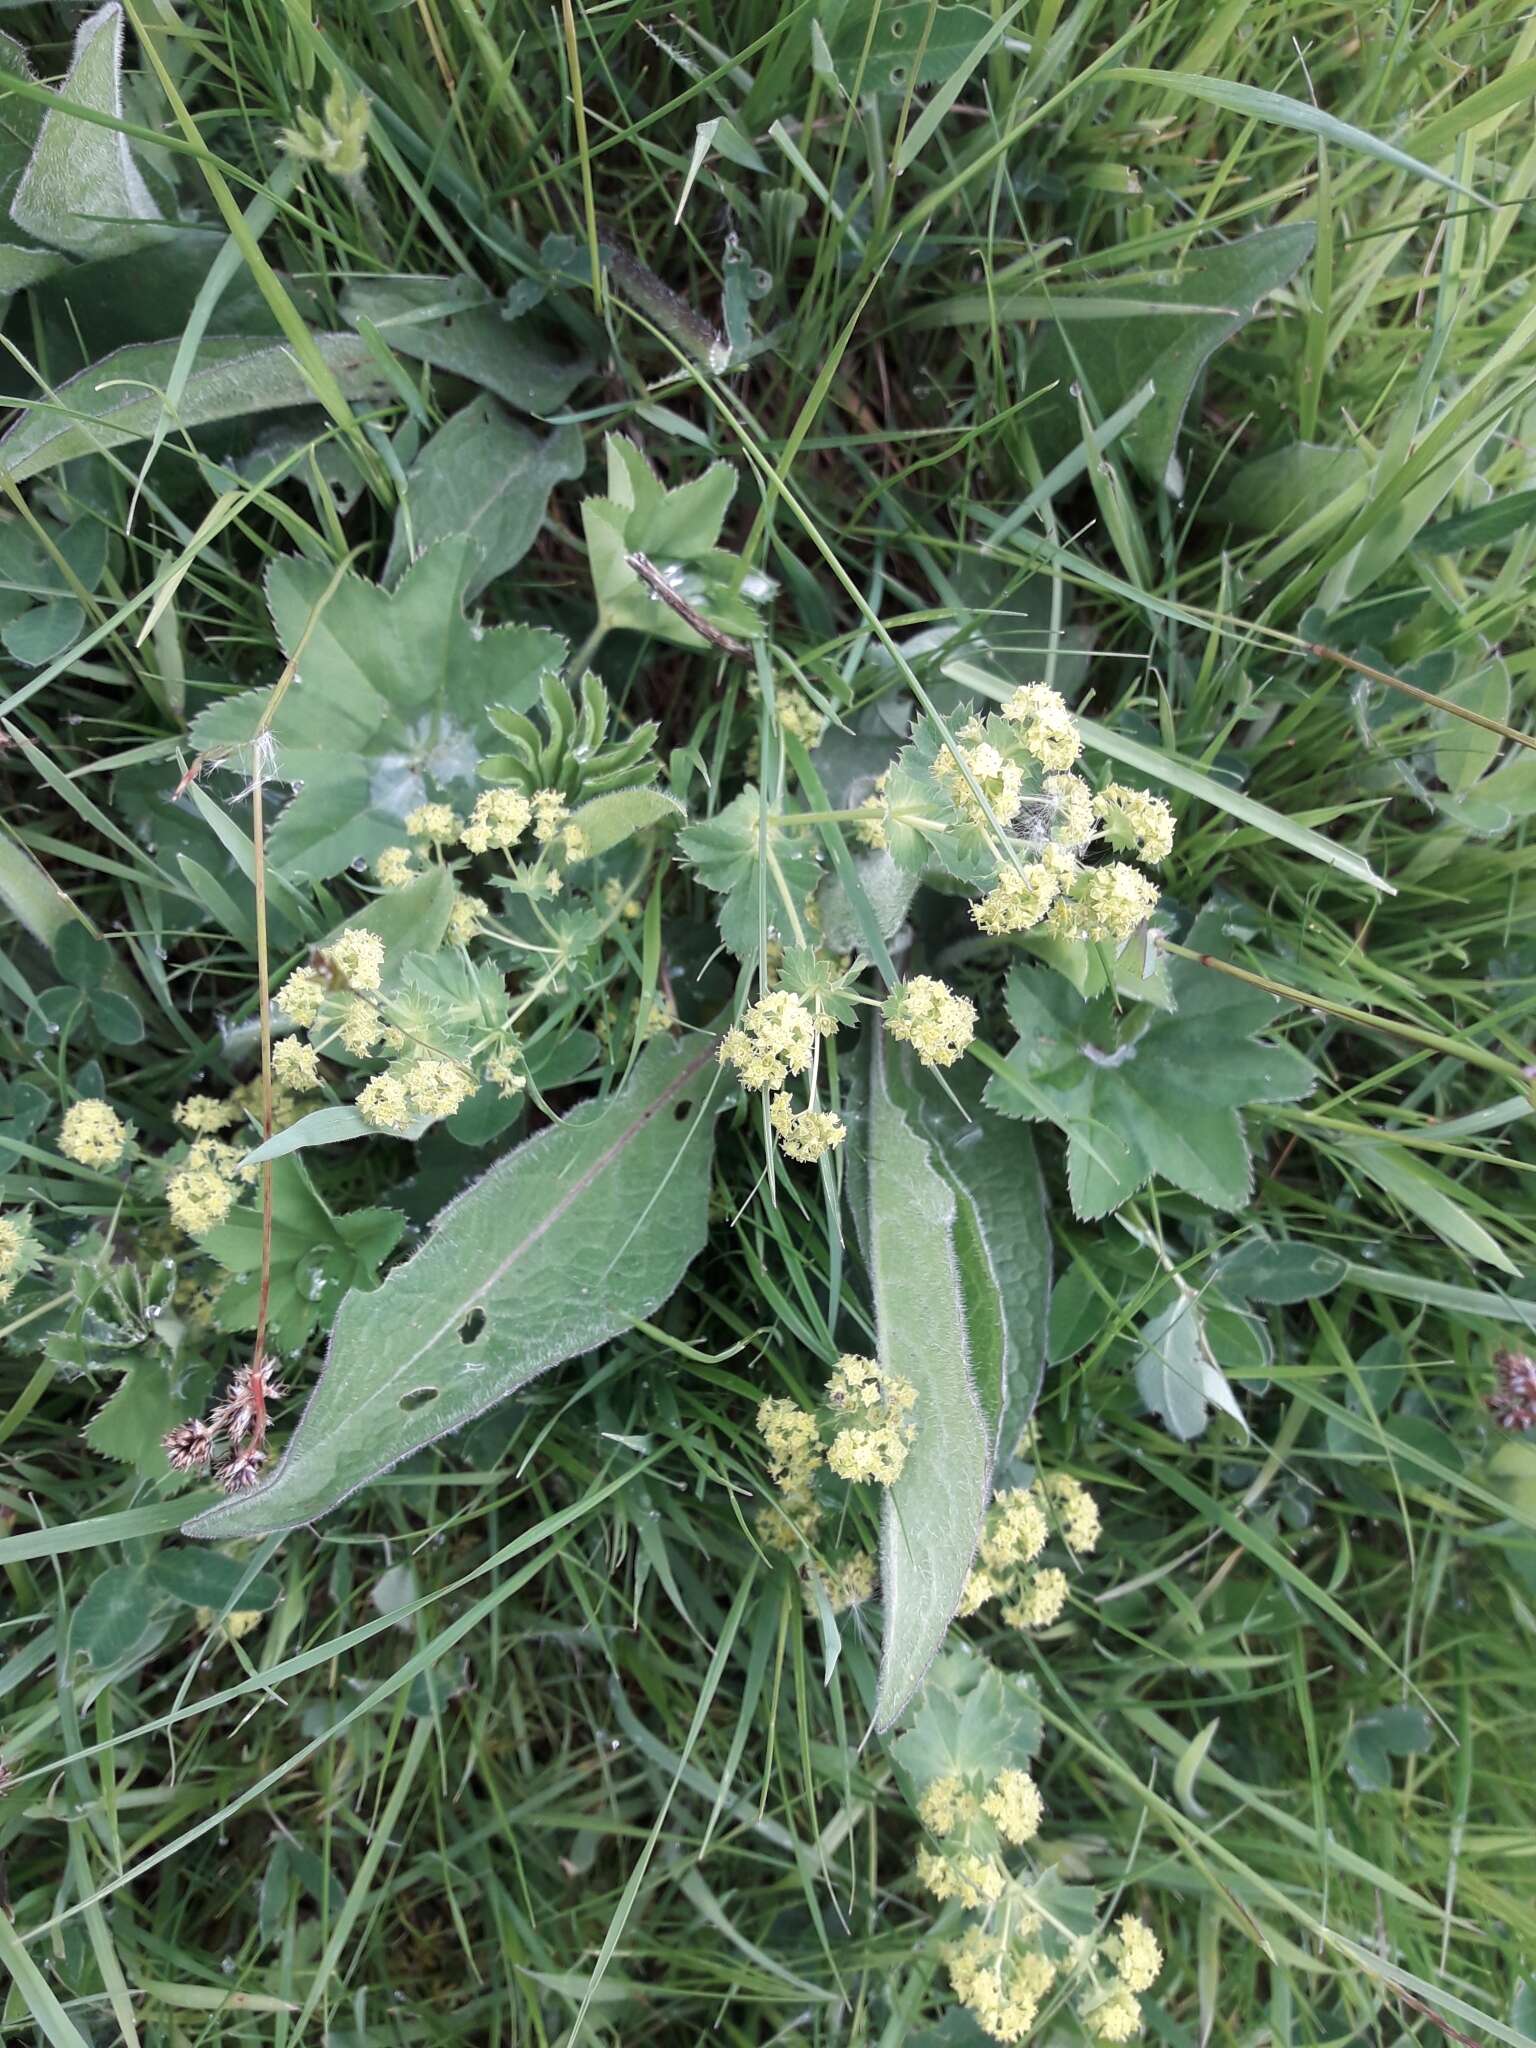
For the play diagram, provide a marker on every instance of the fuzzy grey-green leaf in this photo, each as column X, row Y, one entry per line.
column 567, row 1241
column 933, row 1513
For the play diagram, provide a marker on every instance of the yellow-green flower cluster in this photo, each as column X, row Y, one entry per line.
column 498, row 821
column 929, row 1016
column 395, row 866
column 1002, row 1982
column 1019, row 1524
column 792, row 1440
column 201, row 1190
column 424, row 1086
column 435, row 824
column 92, row 1134
column 19, row 1251
column 847, row 1582
column 805, row 1135
column 775, row 1038
column 357, row 955
column 206, row 1115
column 295, row 1065
column 1112, row 2012
column 1011, row 778
column 874, row 1429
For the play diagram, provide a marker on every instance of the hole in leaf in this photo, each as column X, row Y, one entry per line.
column 419, row 1397
column 898, row 74
column 683, row 1109
column 898, row 29
column 471, row 1326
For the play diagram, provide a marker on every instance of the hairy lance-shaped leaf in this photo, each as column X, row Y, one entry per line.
column 913, row 1237
column 568, row 1241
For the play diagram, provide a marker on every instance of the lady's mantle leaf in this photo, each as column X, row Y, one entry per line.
column 1142, row 1092
column 970, row 1719
column 566, row 1242
column 933, row 1513
column 765, row 874
column 387, row 709
column 316, row 1257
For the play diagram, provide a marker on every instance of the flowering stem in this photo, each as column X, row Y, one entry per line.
column 264, row 1000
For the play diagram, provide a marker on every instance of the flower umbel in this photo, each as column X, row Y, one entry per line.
column 92, row 1134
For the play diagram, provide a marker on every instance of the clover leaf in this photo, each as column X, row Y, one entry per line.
column 388, row 706
column 1143, row 1092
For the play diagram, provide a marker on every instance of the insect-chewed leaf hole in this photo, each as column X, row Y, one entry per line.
column 682, row 1110
column 419, row 1397
column 471, row 1326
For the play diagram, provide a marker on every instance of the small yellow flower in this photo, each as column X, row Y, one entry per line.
column 358, row 956
column 942, row 1806
column 212, row 1155
column 301, row 996
column 805, row 1135
column 1137, row 1957
column 1039, row 1600
column 395, row 866
column 873, row 1440
column 464, row 918
column 206, row 1114
column 436, row 1087
column 1000, row 781
column 791, row 1439
column 498, row 821
column 973, row 1879
column 1114, row 2017
column 438, row 824
column 1076, row 1511
column 1046, row 726
column 199, row 1198
column 1072, row 817
column 1135, row 821
column 19, row 1251
column 578, row 846
column 849, row 1583
column 383, row 1103
column 798, row 717
column 1021, row 897
column 1015, row 1807
column 505, row 1077
column 1110, row 902
column 360, row 1028
column 550, row 811
column 295, row 1065
column 1016, row 1530
column 932, row 1019
column 776, row 1038
column 92, row 1134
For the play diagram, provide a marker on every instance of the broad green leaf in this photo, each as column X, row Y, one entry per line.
column 1280, row 1271
column 568, row 1241
column 607, row 821
column 879, row 47
column 969, row 1720
column 316, row 1258
column 1141, row 1092
column 207, row 1578
column 1428, row 1194
column 1376, row 1738
column 388, row 707
column 114, row 1616
column 20, row 267
column 82, row 190
column 43, row 632
column 453, row 324
column 486, row 475
column 932, row 1516
column 1465, row 752
column 1110, row 359
column 1276, row 492
column 119, row 398
column 1002, row 1238
column 1176, row 1374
